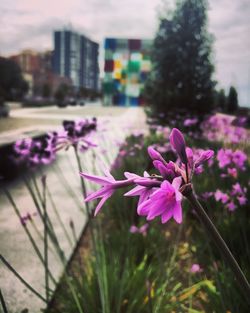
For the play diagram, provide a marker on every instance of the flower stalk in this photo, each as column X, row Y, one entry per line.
column 3, row 302
column 6, row 263
column 218, row 240
column 46, row 257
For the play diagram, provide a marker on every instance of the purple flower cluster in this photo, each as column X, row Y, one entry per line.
column 230, row 162
column 37, row 151
column 77, row 133
column 234, row 198
column 160, row 193
column 127, row 149
column 230, row 158
column 220, row 128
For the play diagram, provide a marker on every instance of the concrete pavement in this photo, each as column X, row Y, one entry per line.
column 64, row 185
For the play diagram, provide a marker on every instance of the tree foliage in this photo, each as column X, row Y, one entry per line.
column 221, row 100
column 182, row 68
column 12, row 84
column 232, row 100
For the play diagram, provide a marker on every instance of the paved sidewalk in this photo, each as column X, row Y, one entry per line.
column 64, row 185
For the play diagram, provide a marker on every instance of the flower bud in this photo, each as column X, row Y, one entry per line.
column 178, row 143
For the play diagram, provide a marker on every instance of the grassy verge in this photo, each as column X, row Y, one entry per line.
column 134, row 272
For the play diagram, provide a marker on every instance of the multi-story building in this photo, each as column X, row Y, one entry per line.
column 28, row 60
column 127, row 65
column 76, row 57
column 36, row 68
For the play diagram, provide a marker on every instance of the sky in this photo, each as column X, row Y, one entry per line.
column 30, row 23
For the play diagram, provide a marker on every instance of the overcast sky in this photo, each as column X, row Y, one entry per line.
column 29, row 24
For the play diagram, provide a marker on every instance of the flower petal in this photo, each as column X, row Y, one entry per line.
column 177, row 212
column 103, row 200
column 137, row 191
column 96, row 179
column 96, row 194
column 177, row 183
column 166, row 216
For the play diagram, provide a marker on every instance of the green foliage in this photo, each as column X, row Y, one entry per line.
column 221, row 100
column 61, row 92
column 232, row 101
column 182, row 66
column 12, row 84
column 46, row 90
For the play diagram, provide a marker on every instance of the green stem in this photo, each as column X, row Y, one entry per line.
column 12, row 202
column 218, row 240
column 84, row 190
column 3, row 303
column 50, row 228
column 46, row 259
column 6, row 263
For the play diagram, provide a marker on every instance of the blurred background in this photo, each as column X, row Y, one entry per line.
column 70, row 52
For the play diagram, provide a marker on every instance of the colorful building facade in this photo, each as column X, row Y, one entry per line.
column 126, row 67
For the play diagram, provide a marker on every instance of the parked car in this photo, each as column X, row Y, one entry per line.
column 81, row 102
column 4, row 109
column 72, row 101
column 62, row 104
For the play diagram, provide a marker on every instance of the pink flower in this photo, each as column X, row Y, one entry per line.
column 190, row 121
column 140, row 230
column 221, row 196
column 232, row 172
column 239, row 158
column 231, row 206
column 109, row 185
column 206, row 195
column 155, row 155
column 195, row 268
column 237, row 189
column 164, row 202
column 242, row 200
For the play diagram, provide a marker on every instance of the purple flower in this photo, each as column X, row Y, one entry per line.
column 206, row 195
column 77, row 132
column 140, row 230
column 239, row 158
column 190, row 121
column 25, row 218
column 155, row 155
column 231, row 206
column 237, row 189
column 195, row 268
column 227, row 157
column 164, row 202
column 221, row 196
column 242, row 200
column 109, row 185
column 143, row 192
column 167, row 170
column 232, row 172
column 178, row 143
column 145, row 186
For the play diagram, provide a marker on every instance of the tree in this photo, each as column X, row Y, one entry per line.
column 222, row 100
column 46, row 90
column 232, row 100
column 182, row 69
column 12, row 84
